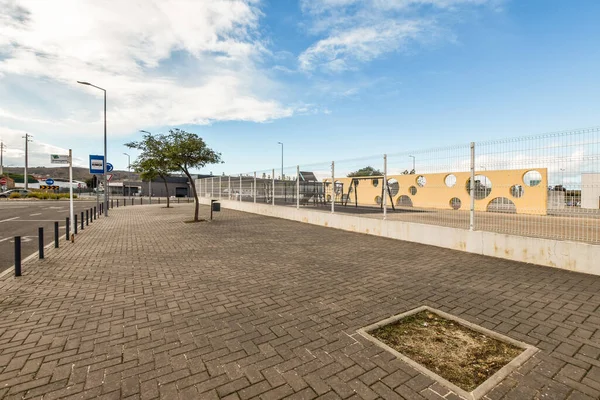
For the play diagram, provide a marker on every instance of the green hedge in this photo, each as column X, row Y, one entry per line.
column 47, row 196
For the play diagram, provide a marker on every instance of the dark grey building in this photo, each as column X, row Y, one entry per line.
column 177, row 186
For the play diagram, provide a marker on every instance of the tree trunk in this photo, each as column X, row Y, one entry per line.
column 197, row 202
column 167, row 190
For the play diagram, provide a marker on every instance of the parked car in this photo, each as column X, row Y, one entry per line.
column 22, row 192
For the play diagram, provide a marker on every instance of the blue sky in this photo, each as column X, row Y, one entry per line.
column 332, row 79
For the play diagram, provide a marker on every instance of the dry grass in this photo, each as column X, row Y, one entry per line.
column 458, row 354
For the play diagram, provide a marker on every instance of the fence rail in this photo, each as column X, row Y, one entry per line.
column 542, row 186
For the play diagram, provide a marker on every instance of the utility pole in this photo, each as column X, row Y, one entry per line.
column 26, row 137
column 1, row 158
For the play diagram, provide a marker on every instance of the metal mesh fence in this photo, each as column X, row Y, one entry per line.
column 542, row 186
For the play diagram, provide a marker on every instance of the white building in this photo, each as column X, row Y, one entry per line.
column 590, row 191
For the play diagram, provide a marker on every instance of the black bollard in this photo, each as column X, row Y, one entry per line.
column 95, row 215
column 41, row 242
column 68, row 228
column 17, row 255
column 132, row 201
column 75, row 224
column 178, row 200
column 124, row 202
column 141, row 201
column 56, row 235
column 117, row 203
column 82, row 221
column 159, row 200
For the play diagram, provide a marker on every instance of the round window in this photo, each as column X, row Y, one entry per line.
column 532, row 178
column 455, row 203
column 394, row 186
column 517, row 191
column 450, row 180
column 483, row 187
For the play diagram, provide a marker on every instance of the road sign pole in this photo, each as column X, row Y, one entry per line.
column 71, row 190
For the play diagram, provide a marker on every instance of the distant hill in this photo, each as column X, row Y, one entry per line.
column 79, row 174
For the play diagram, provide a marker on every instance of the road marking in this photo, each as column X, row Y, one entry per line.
column 10, row 219
column 23, row 239
column 33, row 215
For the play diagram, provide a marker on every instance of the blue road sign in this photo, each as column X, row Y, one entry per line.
column 49, row 181
column 96, row 164
column 109, row 167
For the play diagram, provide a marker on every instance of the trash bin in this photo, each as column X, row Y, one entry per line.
column 216, row 206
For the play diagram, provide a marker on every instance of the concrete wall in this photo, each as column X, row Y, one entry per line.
column 573, row 256
column 590, row 191
column 434, row 191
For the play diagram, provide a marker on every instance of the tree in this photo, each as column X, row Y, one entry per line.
column 153, row 161
column 186, row 150
column 366, row 171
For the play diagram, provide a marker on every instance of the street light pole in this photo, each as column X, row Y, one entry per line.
column 281, row 159
column 413, row 157
column 105, row 160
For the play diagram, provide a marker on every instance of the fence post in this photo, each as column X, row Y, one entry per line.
column 212, row 187
column 17, row 255
column 41, row 242
column 298, row 187
column 332, row 187
column 254, row 191
column 273, row 189
column 385, row 188
column 472, row 189
column 67, row 226
column 56, row 234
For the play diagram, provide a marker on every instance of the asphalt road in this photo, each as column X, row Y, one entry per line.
column 24, row 217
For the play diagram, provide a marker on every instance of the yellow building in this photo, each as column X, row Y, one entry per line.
column 521, row 191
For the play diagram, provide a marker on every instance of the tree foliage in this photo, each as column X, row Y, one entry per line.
column 176, row 151
column 186, row 150
column 153, row 162
column 366, row 171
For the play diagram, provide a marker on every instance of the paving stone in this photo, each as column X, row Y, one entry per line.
column 146, row 306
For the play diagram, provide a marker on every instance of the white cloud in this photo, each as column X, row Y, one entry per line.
column 339, row 52
column 355, row 32
column 39, row 152
column 163, row 62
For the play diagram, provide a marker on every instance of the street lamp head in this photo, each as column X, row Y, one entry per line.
column 143, row 131
column 84, row 83
column 279, row 143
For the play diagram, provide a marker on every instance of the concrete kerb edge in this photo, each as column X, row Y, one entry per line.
column 480, row 390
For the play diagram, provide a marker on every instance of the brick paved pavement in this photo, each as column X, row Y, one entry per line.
column 145, row 306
